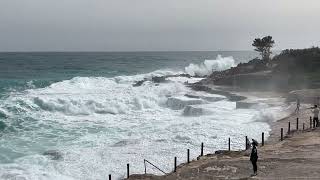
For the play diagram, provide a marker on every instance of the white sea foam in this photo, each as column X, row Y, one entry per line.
column 100, row 124
column 208, row 66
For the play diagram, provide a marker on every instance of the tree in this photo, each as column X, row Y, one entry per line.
column 264, row 46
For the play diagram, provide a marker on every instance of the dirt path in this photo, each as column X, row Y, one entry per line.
column 296, row 157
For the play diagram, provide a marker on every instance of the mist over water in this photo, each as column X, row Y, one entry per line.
column 77, row 116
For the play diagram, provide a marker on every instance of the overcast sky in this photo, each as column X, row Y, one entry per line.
column 156, row 25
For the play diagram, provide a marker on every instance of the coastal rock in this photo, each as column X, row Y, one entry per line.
column 53, row 154
column 244, row 105
column 201, row 87
column 207, row 98
column 138, row 83
column 158, row 79
column 177, row 103
column 193, row 111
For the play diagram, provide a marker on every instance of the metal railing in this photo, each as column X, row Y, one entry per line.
column 145, row 166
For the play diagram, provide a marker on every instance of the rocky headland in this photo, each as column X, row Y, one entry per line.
column 292, row 74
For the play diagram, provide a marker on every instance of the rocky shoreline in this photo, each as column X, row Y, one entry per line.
column 294, row 158
column 278, row 159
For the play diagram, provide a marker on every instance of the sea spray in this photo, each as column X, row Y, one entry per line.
column 101, row 123
column 208, row 66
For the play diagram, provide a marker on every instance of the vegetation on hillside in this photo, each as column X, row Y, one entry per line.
column 301, row 65
column 263, row 46
column 291, row 69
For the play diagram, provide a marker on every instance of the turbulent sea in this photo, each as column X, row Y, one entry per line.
column 77, row 116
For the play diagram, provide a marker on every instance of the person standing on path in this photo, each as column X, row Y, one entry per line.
column 315, row 112
column 254, row 157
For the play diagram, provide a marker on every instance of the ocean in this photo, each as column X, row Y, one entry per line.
column 77, row 115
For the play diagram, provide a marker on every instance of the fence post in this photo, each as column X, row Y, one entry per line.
column 128, row 172
column 229, row 148
column 175, row 164
column 246, row 142
column 310, row 122
column 201, row 149
column 281, row 134
column 188, row 155
column 302, row 126
column 262, row 139
column 109, row 176
column 289, row 127
column 297, row 123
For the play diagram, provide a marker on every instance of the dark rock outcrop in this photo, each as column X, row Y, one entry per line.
column 53, row 154
column 291, row 69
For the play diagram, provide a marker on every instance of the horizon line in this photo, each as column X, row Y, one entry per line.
column 94, row 51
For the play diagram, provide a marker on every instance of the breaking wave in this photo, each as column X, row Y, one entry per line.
column 208, row 66
column 100, row 123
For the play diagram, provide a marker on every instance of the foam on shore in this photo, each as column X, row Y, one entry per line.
column 100, row 124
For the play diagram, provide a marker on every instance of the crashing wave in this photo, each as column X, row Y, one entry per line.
column 82, row 96
column 208, row 66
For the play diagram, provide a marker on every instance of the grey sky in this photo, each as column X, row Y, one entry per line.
column 137, row 25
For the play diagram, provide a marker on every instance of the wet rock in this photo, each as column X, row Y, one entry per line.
column 158, row 79
column 245, row 105
column 176, row 103
column 53, row 154
column 138, row 83
column 193, row 111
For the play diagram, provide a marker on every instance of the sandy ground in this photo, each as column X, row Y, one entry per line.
column 296, row 157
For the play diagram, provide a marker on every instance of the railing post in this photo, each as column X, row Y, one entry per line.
column 128, row 172
column 145, row 170
column 246, row 142
column 201, row 154
column 262, row 139
column 297, row 123
column 175, row 164
column 302, row 126
column 109, row 176
column 188, row 155
column 289, row 128
column 281, row 134
column 229, row 147
column 310, row 122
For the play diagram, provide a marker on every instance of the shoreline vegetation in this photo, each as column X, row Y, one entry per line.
column 292, row 74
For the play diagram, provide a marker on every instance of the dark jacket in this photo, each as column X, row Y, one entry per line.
column 254, row 154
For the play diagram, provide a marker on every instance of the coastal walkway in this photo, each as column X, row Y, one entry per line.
column 296, row 157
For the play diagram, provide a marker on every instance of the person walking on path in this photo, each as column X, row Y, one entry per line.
column 254, row 157
column 315, row 112
column 298, row 106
